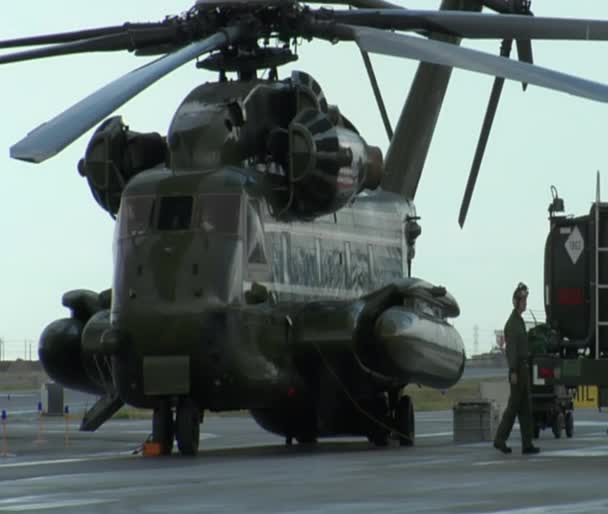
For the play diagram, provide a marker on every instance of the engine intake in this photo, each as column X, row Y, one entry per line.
column 114, row 155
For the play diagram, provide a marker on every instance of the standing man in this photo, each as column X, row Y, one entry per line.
column 520, row 402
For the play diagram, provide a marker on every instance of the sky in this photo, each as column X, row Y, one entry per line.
column 54, row 237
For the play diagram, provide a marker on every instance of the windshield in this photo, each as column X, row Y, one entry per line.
column 135, row 215
column 175, row 213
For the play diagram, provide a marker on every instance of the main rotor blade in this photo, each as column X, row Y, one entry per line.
column 51, row 137
column 505, row 51
column 78, row 35
column 398, row 45
column 406, row 155
column 361, row 4
column 377, row 94
column 125, row 40
column 98, row 44
column 477, row 25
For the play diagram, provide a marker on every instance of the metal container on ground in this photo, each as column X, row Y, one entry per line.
column 475, row 421
column 51, row 397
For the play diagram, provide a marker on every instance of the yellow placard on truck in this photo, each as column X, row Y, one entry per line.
column 586, row 396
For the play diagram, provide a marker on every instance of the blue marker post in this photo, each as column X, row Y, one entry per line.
column 4, row 435
column 66, row 415
column 40, row 427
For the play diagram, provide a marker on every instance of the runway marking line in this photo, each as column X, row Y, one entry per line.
column 52, row 505
column 435, row 434
column 88, row 458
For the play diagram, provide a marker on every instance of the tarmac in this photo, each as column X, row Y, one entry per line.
column 47, row 465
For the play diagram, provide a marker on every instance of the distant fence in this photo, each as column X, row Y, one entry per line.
column 13, row 349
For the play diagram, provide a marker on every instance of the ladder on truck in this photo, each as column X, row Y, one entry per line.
column 600, row 300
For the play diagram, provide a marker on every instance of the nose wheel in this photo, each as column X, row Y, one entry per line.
column 187, row 426
column 163, row 429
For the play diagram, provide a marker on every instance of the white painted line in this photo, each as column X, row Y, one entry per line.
column 435, row 434
column 86, row 458
column 595, row 451
column 53, row 505
column 41, row 463
column 603, row 424
column 584, row 507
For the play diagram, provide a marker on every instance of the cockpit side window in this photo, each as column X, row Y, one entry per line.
column 256, row 252
column 219, row 213
column 175, row 213
column 135, row 215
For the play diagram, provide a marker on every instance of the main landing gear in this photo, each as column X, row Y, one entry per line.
column 398, row 414
column 185, row 428
column 405, row 422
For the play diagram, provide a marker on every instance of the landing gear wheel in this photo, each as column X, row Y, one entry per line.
column 558, row 423
column 163, row 428
column 380, row 438
column 187, row 426
column 405, row 421
column 378, row 432
column 569, row 424
column 306, row 439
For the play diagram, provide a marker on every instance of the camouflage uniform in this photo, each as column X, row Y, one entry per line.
column 520, row 402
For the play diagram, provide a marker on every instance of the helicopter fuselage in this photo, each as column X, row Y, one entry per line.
column 257, row 266
column 190, row 251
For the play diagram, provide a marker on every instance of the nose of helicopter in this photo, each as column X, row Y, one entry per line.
column 165, row 284
column 166, row 353
column 177, row 273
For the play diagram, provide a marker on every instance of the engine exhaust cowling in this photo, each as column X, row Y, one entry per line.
column 327, row 165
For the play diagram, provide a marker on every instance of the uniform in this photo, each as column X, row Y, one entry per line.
column 520, row 402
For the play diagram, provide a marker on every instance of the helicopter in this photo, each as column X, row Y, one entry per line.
column 263, row 249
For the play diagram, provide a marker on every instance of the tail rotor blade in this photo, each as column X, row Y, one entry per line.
column 505, row 51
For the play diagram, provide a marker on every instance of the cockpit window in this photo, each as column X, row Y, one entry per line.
column 135, row 215
column 175, row 213
column 256, row 252
column 219, row 213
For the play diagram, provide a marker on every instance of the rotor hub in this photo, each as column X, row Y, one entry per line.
column 242, row 61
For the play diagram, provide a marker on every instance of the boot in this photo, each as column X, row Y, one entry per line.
column 502, row 447
column 530, row 450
